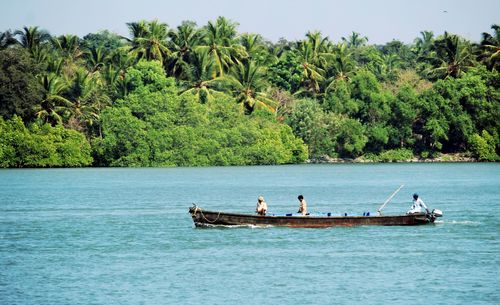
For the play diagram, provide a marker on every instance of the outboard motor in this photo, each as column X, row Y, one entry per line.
column 435, row 213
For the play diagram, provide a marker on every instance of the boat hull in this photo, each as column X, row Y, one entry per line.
column 210, row 218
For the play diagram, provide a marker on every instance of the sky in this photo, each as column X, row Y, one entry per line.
column 379, row 20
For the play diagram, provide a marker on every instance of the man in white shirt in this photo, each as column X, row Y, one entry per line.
column 417, row 205
column 302, row 206
column 261, row 208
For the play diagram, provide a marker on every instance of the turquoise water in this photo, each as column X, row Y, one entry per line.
column 123, row 236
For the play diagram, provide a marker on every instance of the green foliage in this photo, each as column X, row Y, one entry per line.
column 104, row 39
column 338, row 99
column 327, row 134
column 286, row 73
column 351, row 138
column 309, row 123
column 378, row 137
column 154, row 126
column 20, row 90
column 393, row 155
column 483, row 146
column 148, row 76
column 402, row 117
column 453, row 55
column 209, row 95
column 41, row 146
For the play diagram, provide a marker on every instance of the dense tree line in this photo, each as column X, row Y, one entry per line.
column 212, row 96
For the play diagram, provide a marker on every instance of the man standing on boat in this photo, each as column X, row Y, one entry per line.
column 261, row 208
column 302, row 206
column 417, row 205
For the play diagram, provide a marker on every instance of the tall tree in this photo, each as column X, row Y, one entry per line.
column 114, row 72
column 182, row 43
column 423, row 44
column 96, row 58
column 453, row 56
column 200, row 82
column 342, row 65
column 247, row 82
column 20, row 90
column 149, row 39
column 68, row 47
column 54, row 107
column 7, row 39
column 355, row 40
column 255, row 48
column 490, row 48
column 313, row 54
column 220, row 43
column 69, row 53
column 105, row 39
column 31, row 38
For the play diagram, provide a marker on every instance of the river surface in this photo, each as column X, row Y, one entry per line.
column 124, row 236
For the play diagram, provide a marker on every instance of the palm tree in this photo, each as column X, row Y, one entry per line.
column 247, row 82
column 7, row 39
column 453, row 55
column 490, row 48
column 256, row 49
column 86, row 100
column 423, row 45
column 390, row 64
column 53, row 107
column 113, row 73
column 55, row 64
column 149, row 39
column 355, row 40
column 69, row 50
column 31, row 38
column 321, row 47
column 68, row 46
column 182, row 43
column 96, row 58
column 315, row 54
column 200, row 81
column 220, row 43
column 343, row 65
column 341, row 68
column 312, row 73
column 282, row 46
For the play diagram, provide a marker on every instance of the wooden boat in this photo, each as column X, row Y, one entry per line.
column 210, row 218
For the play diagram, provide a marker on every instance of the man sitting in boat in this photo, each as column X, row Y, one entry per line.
column 302, row 206
column 417, row 205
column 261, row 208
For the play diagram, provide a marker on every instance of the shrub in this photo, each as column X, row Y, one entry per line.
column 483, row 146
column 396, row 155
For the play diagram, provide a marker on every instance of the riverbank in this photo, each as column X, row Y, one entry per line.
column 459, row 158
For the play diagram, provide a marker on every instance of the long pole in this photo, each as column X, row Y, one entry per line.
column 389, row 199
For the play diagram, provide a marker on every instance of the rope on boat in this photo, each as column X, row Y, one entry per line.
column 197, row 209
column 203, row 215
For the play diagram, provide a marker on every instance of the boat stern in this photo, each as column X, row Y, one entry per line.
column 435, row 213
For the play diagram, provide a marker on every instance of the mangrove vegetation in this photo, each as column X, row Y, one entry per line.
column 209, row 95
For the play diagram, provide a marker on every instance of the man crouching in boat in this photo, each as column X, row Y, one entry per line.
column 417, row 206
column 302, row 206
column 261, row 208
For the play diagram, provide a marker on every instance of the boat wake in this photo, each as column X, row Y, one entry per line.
column 212, row 226
column 458, row 222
